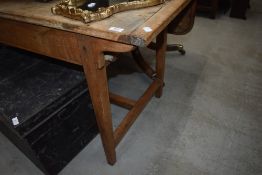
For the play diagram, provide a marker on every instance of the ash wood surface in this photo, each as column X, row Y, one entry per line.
column 131, row 21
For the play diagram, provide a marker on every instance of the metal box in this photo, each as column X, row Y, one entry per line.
column 45, row 108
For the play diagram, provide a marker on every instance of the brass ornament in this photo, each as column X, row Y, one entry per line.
column 71, row 9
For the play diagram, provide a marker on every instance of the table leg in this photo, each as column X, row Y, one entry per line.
column 98, row 88
column 91, row 53
column 161, row 43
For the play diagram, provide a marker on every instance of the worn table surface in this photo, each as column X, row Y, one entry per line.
column 31, row 26
column 132, row 21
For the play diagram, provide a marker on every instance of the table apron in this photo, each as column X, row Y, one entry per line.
column 55, row 43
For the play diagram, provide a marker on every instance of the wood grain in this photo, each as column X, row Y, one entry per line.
column 31, row 26
column 132, row 21
column 42, row 40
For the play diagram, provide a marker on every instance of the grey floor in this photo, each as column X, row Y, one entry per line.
column 209, row 120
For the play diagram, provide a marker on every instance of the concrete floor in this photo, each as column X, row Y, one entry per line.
column 209, row 120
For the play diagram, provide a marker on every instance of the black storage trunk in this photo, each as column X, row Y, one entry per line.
column 45, row 108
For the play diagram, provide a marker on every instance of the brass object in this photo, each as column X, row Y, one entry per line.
column 71, row 9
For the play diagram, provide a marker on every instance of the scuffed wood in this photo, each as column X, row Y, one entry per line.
column 30, row 25
column 132, row 21
column 42, row 40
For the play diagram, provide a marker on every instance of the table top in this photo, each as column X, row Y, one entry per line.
column 133, row 21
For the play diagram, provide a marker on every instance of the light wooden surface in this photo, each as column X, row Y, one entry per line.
column 131, row 21
column 31, row 26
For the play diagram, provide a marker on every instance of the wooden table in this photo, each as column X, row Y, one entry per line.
column 31, row 26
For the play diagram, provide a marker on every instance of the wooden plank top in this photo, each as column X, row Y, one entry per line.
column 133, row 21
